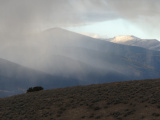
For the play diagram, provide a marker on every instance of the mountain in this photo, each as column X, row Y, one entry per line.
column 66, row 59
column 152, row 44
column 98, row 58
column 132, row 100
column 15, row 79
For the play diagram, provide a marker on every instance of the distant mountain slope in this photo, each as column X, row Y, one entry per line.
column 67, row 58
column 129, row 61
column 133, row 100
column 152, row 44
column 16, row 79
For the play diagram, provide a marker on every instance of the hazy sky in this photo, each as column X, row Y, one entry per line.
column 105, row 18
column 111, row 28
column 139, row 18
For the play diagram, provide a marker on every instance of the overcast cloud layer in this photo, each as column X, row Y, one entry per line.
column 143, row 13
column 23, row 16
column 28, row 15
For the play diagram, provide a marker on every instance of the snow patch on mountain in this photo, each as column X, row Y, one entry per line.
column 123, row 38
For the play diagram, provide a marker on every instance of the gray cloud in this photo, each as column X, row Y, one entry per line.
column 135, row 9
column 143, row 13
column 21, row 16
column 25, row 16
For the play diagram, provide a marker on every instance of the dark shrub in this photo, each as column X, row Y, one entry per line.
column 38, row 88
column 30, row 89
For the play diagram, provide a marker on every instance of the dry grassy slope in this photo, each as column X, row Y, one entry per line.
column 133, row 100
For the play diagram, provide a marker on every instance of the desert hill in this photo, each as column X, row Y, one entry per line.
column 132, row 100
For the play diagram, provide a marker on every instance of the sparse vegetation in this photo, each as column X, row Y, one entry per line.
column 132, row 100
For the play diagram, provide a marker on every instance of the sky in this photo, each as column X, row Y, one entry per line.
column 97, row 18
column 110, row 29
column 138, row 18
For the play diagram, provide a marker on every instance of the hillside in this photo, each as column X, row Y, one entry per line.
column 65, row 53
column 15, row 79
column 133, row 100
column 151, row 44
column 58, row 58
column 96, row 57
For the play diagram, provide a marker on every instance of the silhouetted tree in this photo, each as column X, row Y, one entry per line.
column 37, row 88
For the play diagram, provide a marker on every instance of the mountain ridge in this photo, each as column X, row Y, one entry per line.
column 151, row 44
column 71, row 59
